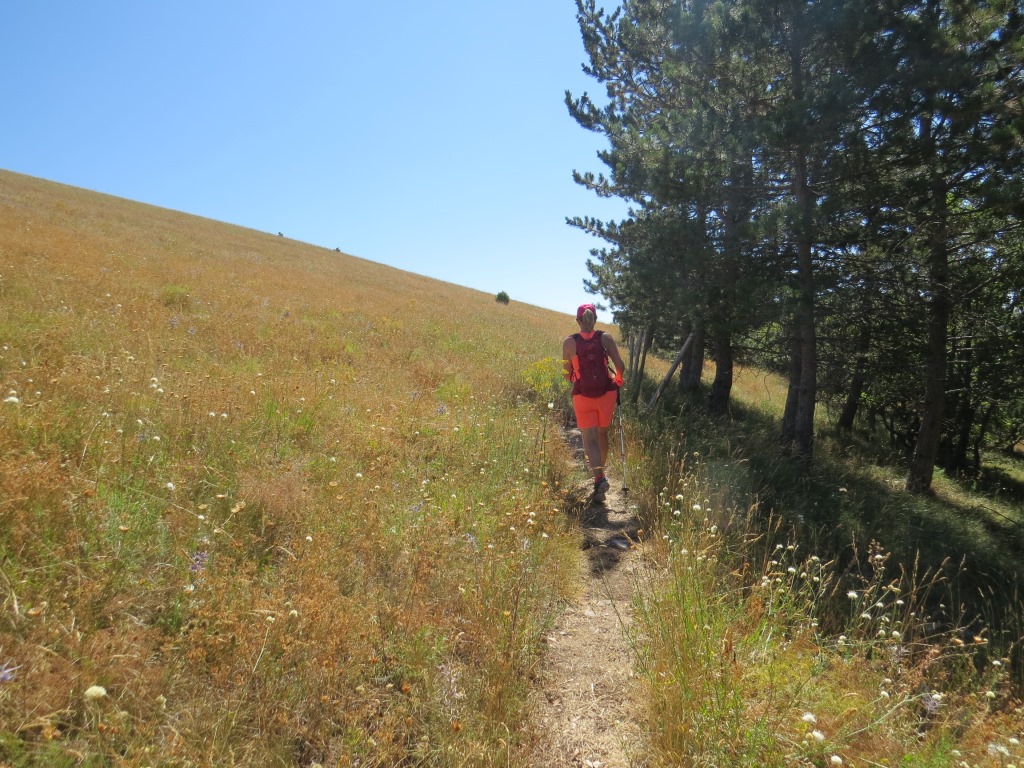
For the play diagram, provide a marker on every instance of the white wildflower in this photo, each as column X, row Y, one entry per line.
column 95, row 692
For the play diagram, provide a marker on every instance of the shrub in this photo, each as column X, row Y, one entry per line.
column 175, row 296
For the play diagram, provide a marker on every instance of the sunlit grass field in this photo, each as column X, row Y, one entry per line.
column 818, row 617
column 263, row 503
column 266, row 504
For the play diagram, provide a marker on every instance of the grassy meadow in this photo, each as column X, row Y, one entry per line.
column 263, row 503
column 821, row 618
column 266, row 504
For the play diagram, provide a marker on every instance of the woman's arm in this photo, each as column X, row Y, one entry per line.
column 568, row 353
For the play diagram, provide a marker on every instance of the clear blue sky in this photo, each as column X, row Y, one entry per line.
column 430, row 136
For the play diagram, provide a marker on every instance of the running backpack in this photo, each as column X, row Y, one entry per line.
column 595, row 379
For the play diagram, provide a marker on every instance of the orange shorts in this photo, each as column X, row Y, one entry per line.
column 595, row 411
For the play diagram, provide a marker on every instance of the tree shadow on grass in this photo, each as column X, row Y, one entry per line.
column 1001, row 482
column 846, row 498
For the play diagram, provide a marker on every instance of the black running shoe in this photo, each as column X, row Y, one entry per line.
column 600, row 488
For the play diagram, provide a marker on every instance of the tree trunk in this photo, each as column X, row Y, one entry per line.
column 922, row 465
column 857, row 381
column 966, row 415
column 979, row 440
column 648, row 340
column 720, row 325
column 963, row 407
column 693, row 364
column 635, row 339
column 687, row 361
column 806, row 379
column 803, row 427
column 721, row 387
column 792, row 392
column 668, row 376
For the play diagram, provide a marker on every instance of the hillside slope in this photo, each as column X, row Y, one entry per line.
column 261, row 502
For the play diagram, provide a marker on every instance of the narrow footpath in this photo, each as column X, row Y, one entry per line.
column 584, row 711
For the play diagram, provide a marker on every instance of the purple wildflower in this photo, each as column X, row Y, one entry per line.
column 199, row 562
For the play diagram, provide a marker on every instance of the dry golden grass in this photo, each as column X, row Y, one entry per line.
column 755, row 652
column 738, row 671
column 289, row 507
column 284, row 505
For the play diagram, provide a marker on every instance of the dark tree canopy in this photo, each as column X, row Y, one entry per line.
column 833, row 187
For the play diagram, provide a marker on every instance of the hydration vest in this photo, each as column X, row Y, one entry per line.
column 595, row 379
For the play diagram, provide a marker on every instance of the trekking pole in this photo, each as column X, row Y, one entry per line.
column 622, row 443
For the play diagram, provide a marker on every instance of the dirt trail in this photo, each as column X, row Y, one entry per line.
column 584, row 710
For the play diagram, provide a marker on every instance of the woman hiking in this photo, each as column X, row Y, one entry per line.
column 585, row 358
